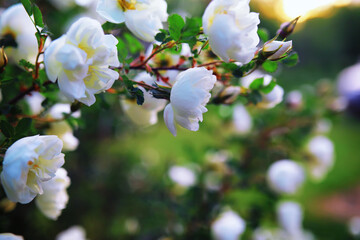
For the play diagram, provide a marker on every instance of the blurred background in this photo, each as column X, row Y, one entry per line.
column 121, row 188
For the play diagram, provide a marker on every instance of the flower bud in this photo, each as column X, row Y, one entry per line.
column 3, row 59
column 274, row 50
column 287, row 28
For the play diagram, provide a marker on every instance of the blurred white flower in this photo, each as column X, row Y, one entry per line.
column 80, row 61
column 145, row 114
column 28, row 163
column 182, row 176
column 322, row 150
column 55, row 197
column 66, row 4
column 73, row 233
column 348, row 81
column 143, row 17
column 34, row 100
column 242, row 120
column 188, row 99
column 290, row 217
column 227, row 94
column 354, row 226
column 232, row 29
column 228, row 226
column 285, row 176
column 276, row 49
column 270, row 99
column 10, row 236
column 15, row 23
column 267, row 234
column 62, row 129
column 294, row 99
column 323, row 126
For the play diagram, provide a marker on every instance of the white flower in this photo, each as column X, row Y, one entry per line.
column 290, row 217
column 16, row 24
column 285, row 176
column 322, row 150
column 229, row 226
column 34, row 100
column 10, row 236
column 277, row 48
column 269, row 100
column 28, row 163
column 242, row 120
column 294, row 99
column 66, row 4
column 145, row 114
column 55, row 197
column 348, row 81
column 80, row 61
column 73, row 233
column 232, row 29
column 183, row 176
column 188, row 99
column 354, row 226
column 62, row 129
column 143, row 17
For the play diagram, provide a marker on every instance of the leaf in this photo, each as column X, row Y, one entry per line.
column 192, row 27
column 122, row 50
column 7, row 129
column 263, row 34
column 267, row 89
column 28, row 6
column 139, row 96
column 23, row 126
column 133, row 43
column 291, row 60
column 257, row 84
column 160, row 37
column 176, row 24
column 270, row 66
column 38, row 16
column 26, row 64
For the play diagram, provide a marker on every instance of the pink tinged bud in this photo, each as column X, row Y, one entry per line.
column 274, row 50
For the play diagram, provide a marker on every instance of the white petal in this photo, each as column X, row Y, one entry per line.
column 169, row 119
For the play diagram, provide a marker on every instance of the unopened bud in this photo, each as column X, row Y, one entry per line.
column 274, row 50
column 3, row 59
column 287, row 28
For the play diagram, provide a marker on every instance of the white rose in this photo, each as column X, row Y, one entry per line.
column 228, row 226
column 242, row 120
column 277, row 48
column 55, row 197
column 188, row 99
column 285, row 176
column 290, row 217
column 145, row 114
column 62, row 129
column 10, row 236
column 269, row 100
column 80, row 61
column 232, row 29
column 143, row 17
column 348, row 81
column 322, row 150
column 34, row 100
column 28, row 163
column 183, row 176
column 73, row 233
column 16, row 23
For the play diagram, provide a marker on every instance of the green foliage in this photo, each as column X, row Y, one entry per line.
column 270, row 66
column 28, row 6
column 257, row 84
column 38, row 16
column 26, row 64
column 291, row 60
column 263, row 34
column 133, row 43
column 176, row 24
column 7, row 129
column 122, row 50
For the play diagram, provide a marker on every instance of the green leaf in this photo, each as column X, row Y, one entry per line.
column 7, row 129
column 291, row 60
column 176, row 24
column 23, row 126
column 28, row 6
column 160, row 37
column 122, row 50
column 38, row 16
column 133, row 43
column 263, row 34
column 255, row 97
column 192, row 27
column 26, row 64
column 267, row 89
column 257, row 84
column 270, row 66
column 139, row 96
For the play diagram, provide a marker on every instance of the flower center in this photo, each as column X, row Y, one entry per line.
column 127, row 4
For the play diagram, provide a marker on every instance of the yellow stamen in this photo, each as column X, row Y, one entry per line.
column 127, row 4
